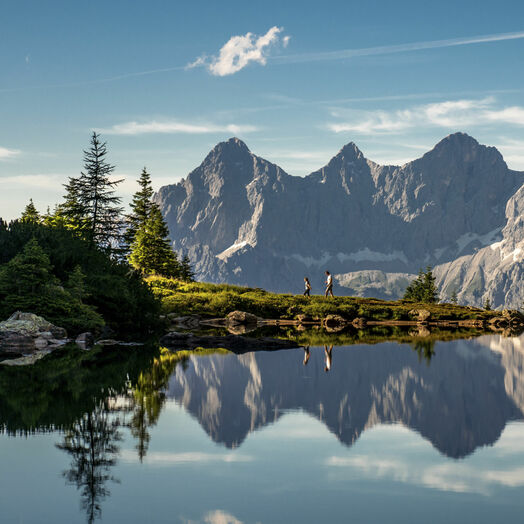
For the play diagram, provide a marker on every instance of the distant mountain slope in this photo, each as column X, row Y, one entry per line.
column 244, row 220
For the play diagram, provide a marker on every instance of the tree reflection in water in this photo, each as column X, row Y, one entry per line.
column 92, row 443
column 148, row 397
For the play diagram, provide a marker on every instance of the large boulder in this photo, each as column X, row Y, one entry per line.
column 27, row 333
column 241, row 318
column 422, row 315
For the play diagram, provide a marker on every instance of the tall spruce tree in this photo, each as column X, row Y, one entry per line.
column 90, row 205
column 151, row 251
column 30, row 214
column 454, row 299
column 140, row 206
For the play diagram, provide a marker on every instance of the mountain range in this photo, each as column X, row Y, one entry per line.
column 459, row 208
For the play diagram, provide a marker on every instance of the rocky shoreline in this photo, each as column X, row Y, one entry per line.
column 25, row 337
column 239, row 322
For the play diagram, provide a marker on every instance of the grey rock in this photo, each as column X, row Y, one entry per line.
column 421, row 315
column 241, row 318
column 26, row 334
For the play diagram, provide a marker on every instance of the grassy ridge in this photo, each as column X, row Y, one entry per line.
column 217, row 300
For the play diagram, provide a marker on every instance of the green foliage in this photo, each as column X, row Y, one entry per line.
column 76, row 283
column 186, row 271
column 487, row 304
column 423, row 288
column 140, row 207
column 30, row 214
column 110, row 287
column 151, row 251
column 217, row 300
column 454, row 299
column 90, row 206
column 28, row 284
column 147, row 236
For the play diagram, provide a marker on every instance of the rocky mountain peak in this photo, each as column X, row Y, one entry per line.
column 229, row 151
column 464, row 147
column 350, row 152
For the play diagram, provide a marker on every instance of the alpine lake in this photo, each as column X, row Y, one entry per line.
column 378, row 429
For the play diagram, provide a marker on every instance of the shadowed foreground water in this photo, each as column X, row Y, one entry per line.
column 358, row 433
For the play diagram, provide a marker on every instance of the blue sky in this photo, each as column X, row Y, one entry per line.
column 164, row 81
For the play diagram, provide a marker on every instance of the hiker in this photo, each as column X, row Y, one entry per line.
column 307, row 286
column 327, row 354
column 329, row 285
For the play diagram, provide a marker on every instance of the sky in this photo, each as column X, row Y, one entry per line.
column 165, row 81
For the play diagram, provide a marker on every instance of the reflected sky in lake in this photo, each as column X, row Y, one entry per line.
column 384, row 435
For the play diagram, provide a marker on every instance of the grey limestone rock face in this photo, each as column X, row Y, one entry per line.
column 243, row 220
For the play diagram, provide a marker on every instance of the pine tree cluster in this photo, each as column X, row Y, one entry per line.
column 93, row 212
column 147, row 237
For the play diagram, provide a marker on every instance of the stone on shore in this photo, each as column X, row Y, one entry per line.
column 26, row 334
column 241, row 318
column 423, row 315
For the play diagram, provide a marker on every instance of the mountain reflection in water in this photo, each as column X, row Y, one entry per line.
column 461, row 400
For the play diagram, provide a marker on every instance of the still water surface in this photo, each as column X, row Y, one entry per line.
column 385, row 435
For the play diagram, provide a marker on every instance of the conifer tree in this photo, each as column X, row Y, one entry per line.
column 423, row 288
column 454, row 299
column 91, row 206
column 151, row 251
column 140, row 206
column 28, row 274
column 71, row 212
column 186, row 271
column 76, row 283
column 30, row 214
column 487, row 304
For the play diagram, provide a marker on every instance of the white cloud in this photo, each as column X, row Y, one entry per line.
column 200, row 61
column 221, row 517
column 6, row 154
column 240, row 50
column 448, row 114
column 174, row 126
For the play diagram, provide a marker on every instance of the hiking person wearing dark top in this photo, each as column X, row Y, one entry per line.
column 307, row 287
column 329, row 284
